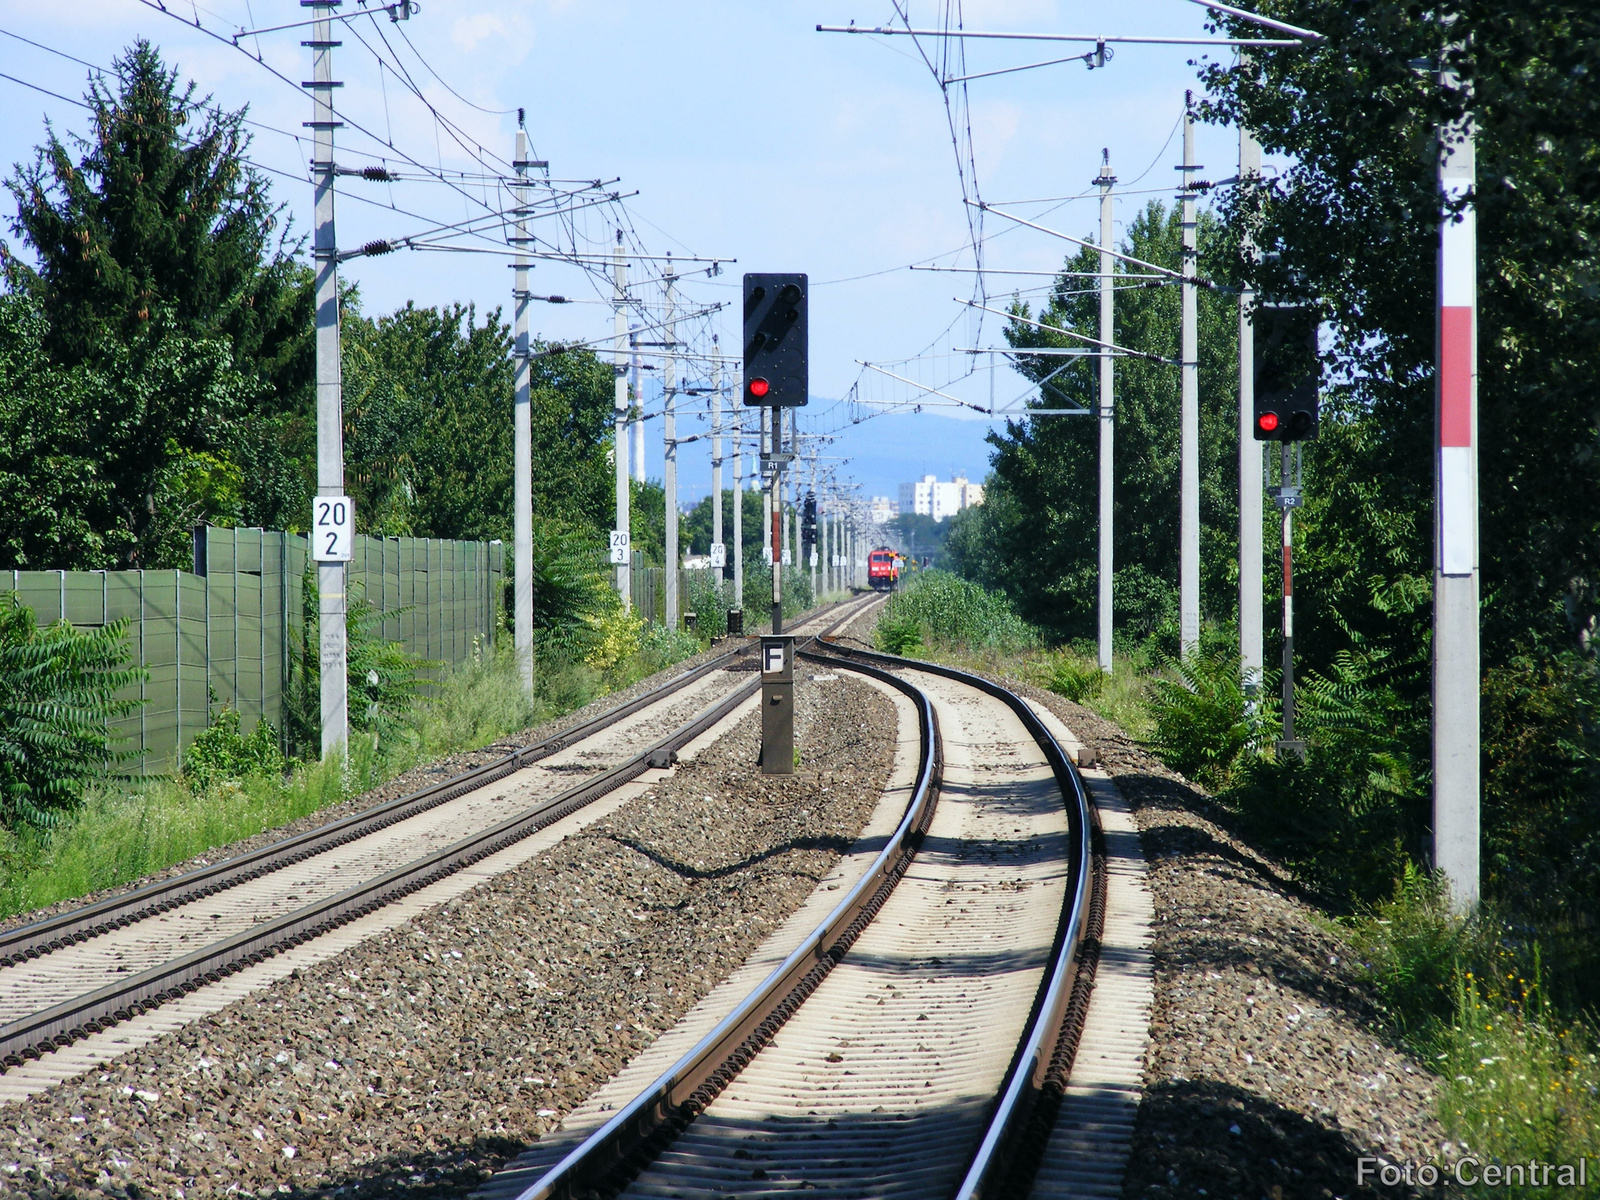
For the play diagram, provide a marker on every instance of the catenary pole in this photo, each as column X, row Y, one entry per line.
column 621, row 409
column 791, row 495
column 1252, row 653
column 1189, row 416
column 822, row 538
column 1456, row 679
column 333, row 651
column 1286, row 491
column 720, row 572
column 669, row 437
column 522, row 437
column 767, row 492
column 638, row 408
column 738, row 501
column 1107, row 410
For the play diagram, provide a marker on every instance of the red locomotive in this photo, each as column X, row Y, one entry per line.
column 883, row 569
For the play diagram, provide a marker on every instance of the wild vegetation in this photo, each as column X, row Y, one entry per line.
column 1349, row 226
column 156, row 371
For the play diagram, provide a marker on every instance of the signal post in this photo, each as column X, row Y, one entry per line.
column 776, row 377
column 1287, row 374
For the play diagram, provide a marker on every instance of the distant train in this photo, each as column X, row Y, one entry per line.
column 883, row 569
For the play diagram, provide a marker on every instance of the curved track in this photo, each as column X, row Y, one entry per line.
column 904, row 1047
column 83, row 970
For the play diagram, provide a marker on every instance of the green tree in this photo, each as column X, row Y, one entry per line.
column 1035, row 535
column 696, row 526
column 428, row 430
column 52, row 493
column 161, row 214
column 1351, row 225
column 168, row 290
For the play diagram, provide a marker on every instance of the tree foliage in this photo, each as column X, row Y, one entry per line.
column 428, row 430
column 1351, row 225
column 1035, row 536
column 58, row 693
column 168, row 310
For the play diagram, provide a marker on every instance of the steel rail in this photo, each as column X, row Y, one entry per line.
column 641, row 1128
column 29, row 941
column 77, row 925
column 991, row 1173
column 48, row 1029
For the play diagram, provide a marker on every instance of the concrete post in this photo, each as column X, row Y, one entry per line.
column 1189, row 417
column 1107, row 411
column 1252, row 654
column 333, row 651
column 1457, row 681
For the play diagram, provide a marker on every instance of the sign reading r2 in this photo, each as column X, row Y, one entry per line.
column 333, row 529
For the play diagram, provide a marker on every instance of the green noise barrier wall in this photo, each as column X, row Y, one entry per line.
column 220, row 635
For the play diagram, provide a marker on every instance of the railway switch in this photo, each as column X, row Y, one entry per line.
column 777, row 704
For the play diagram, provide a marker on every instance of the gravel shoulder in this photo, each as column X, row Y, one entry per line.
column 419, row 1061
column 1269, row 1073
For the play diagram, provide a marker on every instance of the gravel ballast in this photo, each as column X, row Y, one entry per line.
column 1269, row 1074
column 418, row 1061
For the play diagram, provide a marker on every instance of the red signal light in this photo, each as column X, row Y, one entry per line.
column 1268, row 421
column 759, row 387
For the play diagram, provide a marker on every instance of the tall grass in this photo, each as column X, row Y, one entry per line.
column 944, row 611
column 1519, row 1080
column 122, row 833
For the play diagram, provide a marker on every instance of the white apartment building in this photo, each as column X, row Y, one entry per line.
column 938, row 500
column 883, row 510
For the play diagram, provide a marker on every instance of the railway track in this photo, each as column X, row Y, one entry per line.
column 80, row 972
column 914, row 1042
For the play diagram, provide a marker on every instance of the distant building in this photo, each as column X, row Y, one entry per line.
column 931, row 498
column 883, row 510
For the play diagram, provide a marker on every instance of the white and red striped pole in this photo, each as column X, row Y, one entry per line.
column 1456, row 683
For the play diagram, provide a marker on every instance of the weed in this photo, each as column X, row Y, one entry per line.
column 1073, row 675
column 1202, row 726
column 221, row 753
column 898, row 635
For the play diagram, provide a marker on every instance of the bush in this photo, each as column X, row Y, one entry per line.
column 381, row 678
column 1201, row 727
column 1075, row 676
column 221, row 753
column 707, row 598
column 950, row 611
column 1413, row 949
column 1517, row 1081
column 57, row 696
column 757, row 598
column 898, row 635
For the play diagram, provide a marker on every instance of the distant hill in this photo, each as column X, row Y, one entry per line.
column 890, row 450
column 884, row 451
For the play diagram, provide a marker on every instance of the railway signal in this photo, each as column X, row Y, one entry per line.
column 1287, row 373
column 775, row 340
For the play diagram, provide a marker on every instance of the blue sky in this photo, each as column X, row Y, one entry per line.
column 746, row 134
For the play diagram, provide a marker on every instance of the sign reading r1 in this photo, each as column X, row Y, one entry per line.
column 333, row 529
